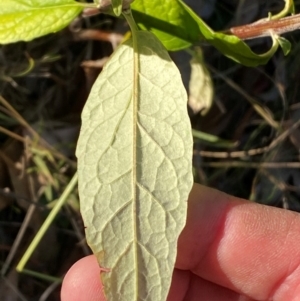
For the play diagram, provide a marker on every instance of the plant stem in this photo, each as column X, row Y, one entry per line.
column 288, row 8
column 60, row 202
column 42, row 276
column 266, row 27
column 128, row 16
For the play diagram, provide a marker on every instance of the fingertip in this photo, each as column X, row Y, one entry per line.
column 246, row 247
column 82, row 281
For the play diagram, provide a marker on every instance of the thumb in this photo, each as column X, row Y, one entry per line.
column 82, row 282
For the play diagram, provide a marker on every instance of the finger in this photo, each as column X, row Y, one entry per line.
column 186, row 286
column 82, row 282
column 246, row 247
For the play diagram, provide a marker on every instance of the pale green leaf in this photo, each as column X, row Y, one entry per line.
column 201, row 90
column 24, row 20
column 135, row 172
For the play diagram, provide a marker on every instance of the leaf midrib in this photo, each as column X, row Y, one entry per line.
column 134, row 151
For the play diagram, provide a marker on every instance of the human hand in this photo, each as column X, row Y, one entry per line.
column 229, row 250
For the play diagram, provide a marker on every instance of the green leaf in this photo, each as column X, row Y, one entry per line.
column 237, row 50
column 178, row 27
column 134, row 167
column 284, row 44
column 24, row 20
column 213, row 140
column 168, row 20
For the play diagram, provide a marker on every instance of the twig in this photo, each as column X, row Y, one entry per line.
column 36, row 137
column 12, row 134
column 260, row 109
column 60, row 202
column 98, row 35
column 49, row 290
column 251, row 152
column 14, row 289
column 278, row 183
column 256, row 165
column 266, row 27
column 25, row 223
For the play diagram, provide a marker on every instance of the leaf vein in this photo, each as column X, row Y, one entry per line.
column 115, row 215
column 119, row 177
column 153, row 256
column 114, row 132
column 151, row 194
column 121, row 255
column 160, row 147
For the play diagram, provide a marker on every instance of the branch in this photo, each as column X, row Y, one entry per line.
column 266, row 27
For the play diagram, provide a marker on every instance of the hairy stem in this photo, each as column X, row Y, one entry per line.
column 266, row 27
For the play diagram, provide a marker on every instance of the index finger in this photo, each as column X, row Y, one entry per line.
column 246, row 247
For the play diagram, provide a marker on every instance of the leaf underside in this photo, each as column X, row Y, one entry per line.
column 134, row 166
column 24, row 20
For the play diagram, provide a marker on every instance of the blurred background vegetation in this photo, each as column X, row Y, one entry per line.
column 254, row 120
